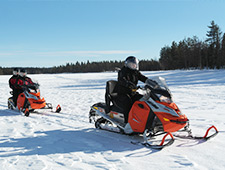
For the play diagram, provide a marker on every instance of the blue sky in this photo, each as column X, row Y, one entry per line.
column 41, row 33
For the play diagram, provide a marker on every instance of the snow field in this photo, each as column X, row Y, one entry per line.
column 51, row 141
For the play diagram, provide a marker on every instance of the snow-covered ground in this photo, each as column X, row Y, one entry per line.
column 51, row 141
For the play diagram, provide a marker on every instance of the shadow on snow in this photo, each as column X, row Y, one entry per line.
column 63, row 141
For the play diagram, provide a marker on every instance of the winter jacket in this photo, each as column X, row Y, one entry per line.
column 27, row 81
column 12, row 81
column 16, row 82
column 128, row 80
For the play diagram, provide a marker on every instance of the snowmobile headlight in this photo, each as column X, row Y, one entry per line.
column 32, row 90
column 165, row 99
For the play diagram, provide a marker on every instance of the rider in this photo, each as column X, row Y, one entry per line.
column 12, row 80
column 126, row 87
column 17, row 81
column 13, row 85
column 24, row 80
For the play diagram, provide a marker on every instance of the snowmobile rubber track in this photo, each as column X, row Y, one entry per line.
column 109, row 129
column 121, row 126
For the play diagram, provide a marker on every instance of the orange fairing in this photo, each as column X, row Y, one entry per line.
column 37, row 104
column 20, row 101
column 172, row 123
column 170, row 105
column 138, row 116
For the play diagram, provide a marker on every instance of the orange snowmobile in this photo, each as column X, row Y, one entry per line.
column 153, row 115
column 30, row 100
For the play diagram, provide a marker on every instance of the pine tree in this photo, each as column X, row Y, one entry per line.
column 213, row 40
column 223, row 52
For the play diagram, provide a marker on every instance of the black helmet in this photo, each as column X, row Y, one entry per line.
column 23, row 72
column 132, row 63
column 16, row 71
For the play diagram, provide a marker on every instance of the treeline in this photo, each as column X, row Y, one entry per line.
column 190, row 53
column 83, row 67
column 194, row 53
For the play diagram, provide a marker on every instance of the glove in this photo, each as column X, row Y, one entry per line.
column 131, row 86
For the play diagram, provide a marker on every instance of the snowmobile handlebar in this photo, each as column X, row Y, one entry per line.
column 135, row 89
column 34, row 86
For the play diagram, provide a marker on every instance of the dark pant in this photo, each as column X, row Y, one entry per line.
column 16, row 93
column 126, row 101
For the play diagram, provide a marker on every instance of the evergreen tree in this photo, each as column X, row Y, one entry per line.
column 1, row 71
column 165, row 58
column 213, row 40
column 223, row 52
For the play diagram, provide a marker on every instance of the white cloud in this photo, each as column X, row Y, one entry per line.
column 68, row 53
column 86, row 53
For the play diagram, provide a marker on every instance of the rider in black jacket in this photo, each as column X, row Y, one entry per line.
column 126, row 87
column 13, row 84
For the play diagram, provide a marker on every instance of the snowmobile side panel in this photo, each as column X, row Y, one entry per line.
column 21, row 101
column 138, row 116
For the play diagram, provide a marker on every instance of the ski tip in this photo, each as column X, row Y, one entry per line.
column 58, row 109
column 206, row 137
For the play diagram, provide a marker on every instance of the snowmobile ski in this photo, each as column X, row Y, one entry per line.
column 158, row 147
column 58, row 109
column 205, row 137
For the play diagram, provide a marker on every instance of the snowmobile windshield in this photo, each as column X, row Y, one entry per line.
column 161, row 82
column 34, row 88
column 35, row 81
column 158, row 87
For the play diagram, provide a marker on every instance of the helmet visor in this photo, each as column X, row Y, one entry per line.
column 132, row 63
column 23, row 73
column 16, row 71
column 132, row 66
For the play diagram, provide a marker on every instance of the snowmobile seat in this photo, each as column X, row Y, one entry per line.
column 111, row 95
